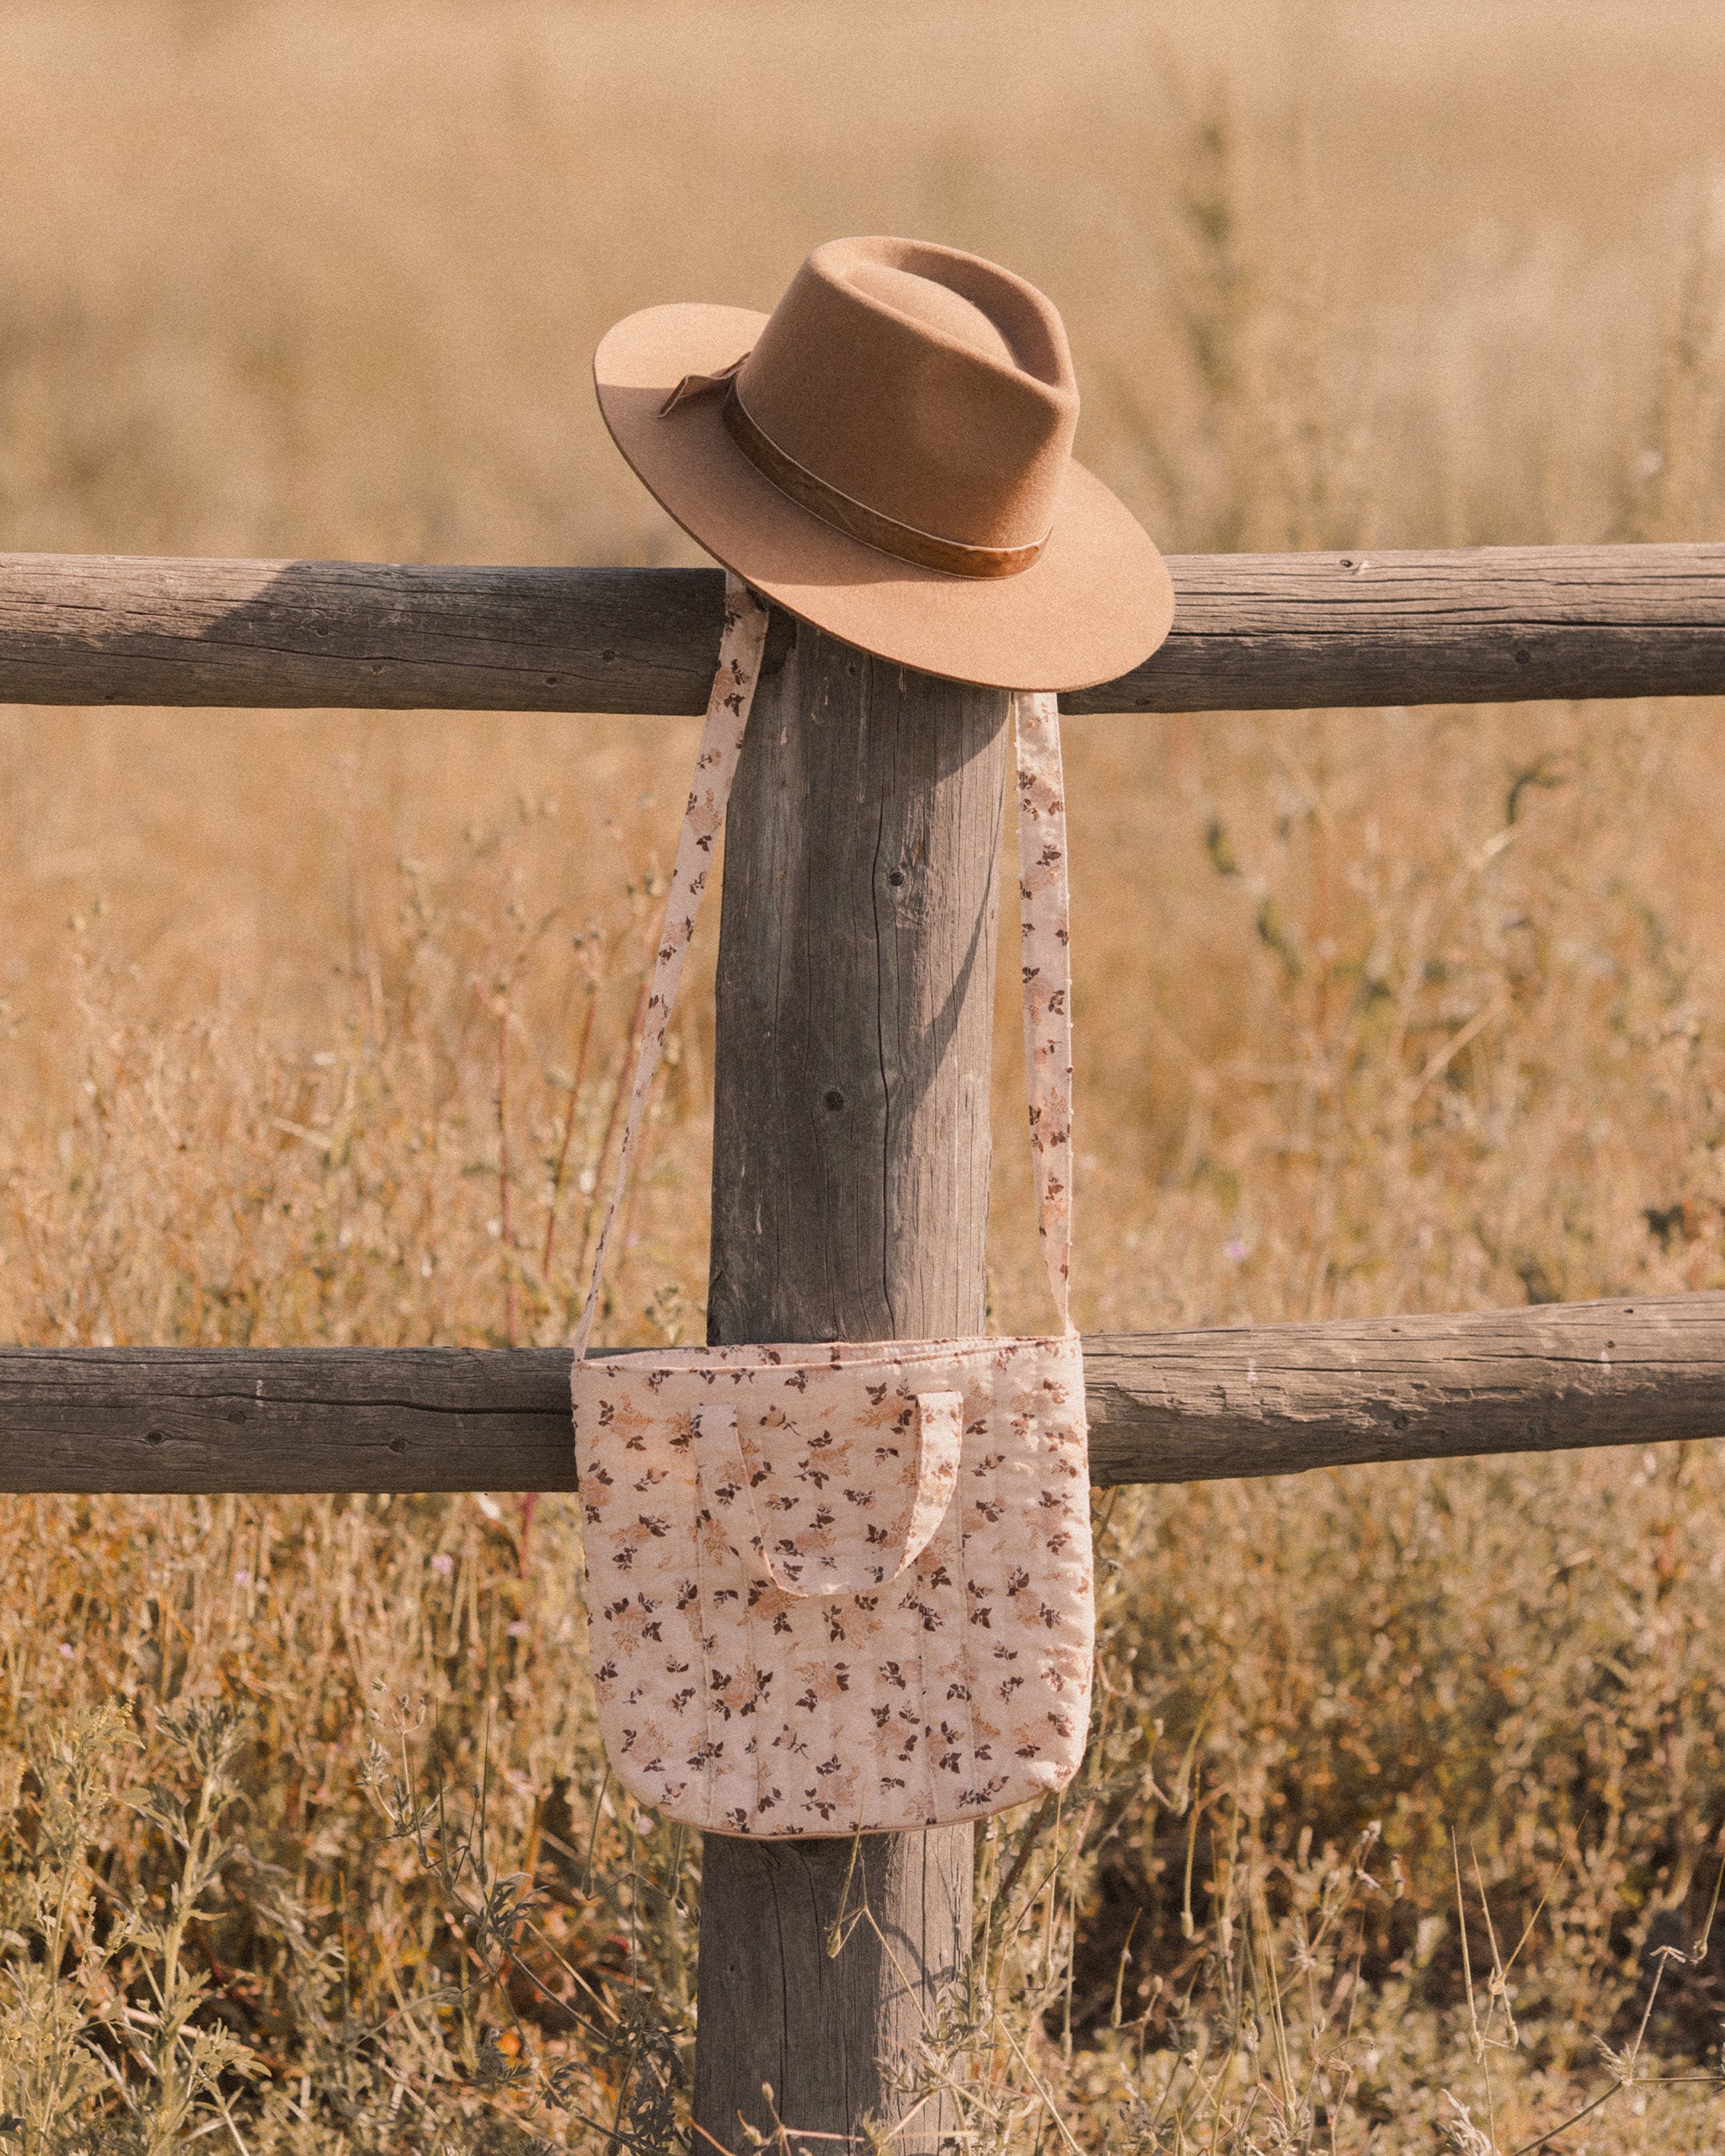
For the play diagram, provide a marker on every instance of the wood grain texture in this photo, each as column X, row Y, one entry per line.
column 856, row 970
column 1464, row 625
column 1190, row 1406
column 1251, row 632
column 775, row 2008
column 1277, row 1399
column 113, row 629
column 850, row 1201
column 160, row 1421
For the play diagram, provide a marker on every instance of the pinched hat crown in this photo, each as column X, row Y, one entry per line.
column 924, row 385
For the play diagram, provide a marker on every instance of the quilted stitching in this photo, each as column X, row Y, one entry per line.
column 959, row 1687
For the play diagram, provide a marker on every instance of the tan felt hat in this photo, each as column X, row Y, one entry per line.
column 888, row 455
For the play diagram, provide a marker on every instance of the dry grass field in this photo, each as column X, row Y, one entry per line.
column 311, row 1024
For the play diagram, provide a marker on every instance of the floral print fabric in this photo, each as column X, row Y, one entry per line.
column 1048, row 979
column 741, row 641
column 961, row 1685
column 846, row 1588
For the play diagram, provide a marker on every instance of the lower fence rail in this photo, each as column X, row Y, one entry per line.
column 1185, row 1406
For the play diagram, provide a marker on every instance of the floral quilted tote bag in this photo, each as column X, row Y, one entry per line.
column 846, row 1586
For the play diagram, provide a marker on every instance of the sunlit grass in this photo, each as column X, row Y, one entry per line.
column 1405, row 1784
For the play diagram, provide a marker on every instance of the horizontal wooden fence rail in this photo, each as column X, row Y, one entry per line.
column 1165, row 1406
column 1251, row 632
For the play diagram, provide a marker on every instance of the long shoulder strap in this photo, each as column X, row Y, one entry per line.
column 1045, row 922
column 740, row 645
column 1044, row 915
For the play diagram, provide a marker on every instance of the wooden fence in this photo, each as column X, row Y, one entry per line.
column 1189, row 1406
column 1251, row 632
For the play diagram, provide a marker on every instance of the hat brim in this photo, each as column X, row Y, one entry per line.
column 1095, row 603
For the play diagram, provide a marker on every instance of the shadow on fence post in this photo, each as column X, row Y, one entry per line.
column 851, row 1157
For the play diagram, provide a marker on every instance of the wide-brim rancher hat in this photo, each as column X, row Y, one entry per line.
column 888, row 455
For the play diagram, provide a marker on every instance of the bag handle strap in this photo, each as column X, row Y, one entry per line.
column 1044, row 913
column 940, row 1442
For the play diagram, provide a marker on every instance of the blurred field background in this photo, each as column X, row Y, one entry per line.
column 312, row 1023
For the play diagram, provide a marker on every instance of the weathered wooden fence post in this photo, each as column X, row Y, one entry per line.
column 850, row 1201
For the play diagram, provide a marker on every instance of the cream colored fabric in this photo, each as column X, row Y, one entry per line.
column 741, row 641
column 846, row 1586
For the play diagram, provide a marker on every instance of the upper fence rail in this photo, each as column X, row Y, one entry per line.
column 1252, row 633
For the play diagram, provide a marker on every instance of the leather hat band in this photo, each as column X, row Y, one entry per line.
column 926, row 550
column 903, row 541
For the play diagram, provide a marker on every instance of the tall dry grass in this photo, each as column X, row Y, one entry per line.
column 1404, row 1811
